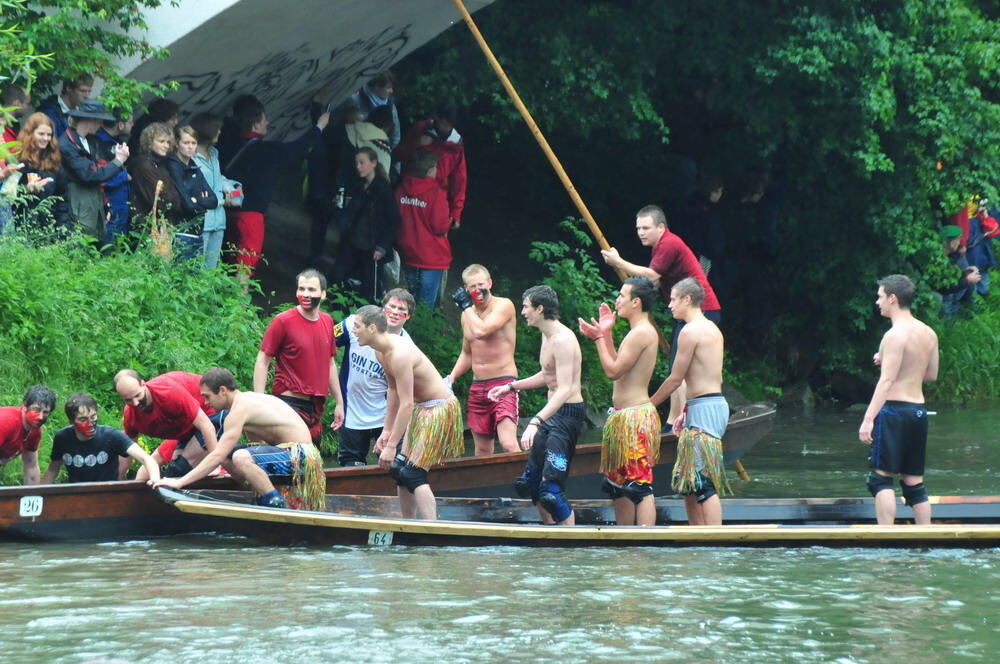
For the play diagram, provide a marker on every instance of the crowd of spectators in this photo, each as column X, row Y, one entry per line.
column 393, row 196
column 968, row 243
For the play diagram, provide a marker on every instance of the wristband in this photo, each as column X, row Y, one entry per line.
column 512, row 388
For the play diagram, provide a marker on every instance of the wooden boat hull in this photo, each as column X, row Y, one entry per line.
column 118, row 510
column 509, row 526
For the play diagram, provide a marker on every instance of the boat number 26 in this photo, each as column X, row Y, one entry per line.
column 31, row 506
column 379, row 537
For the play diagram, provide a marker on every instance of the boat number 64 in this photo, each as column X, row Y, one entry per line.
column 379, row 537
column 31, row 506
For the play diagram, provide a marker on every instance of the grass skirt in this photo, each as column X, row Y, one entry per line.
column 698, row 451
column 308, row 488
column 435, row 433
column 631, row 435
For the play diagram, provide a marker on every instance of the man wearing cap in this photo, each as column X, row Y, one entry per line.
column 86, row 169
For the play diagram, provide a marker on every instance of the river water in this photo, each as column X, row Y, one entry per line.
column 227, row 600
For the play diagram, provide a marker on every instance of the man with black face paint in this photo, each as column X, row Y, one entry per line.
column 489, row 331
column 21, row 429
column 300, row 341
column 90, row 451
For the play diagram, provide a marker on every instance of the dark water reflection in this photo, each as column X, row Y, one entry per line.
column 818, row 454
column 225, row 600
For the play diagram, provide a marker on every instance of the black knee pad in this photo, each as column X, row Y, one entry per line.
column 878, row 483
column 179, row 467
column 706, row 488
column 636, row 491
column 396, row 467
column 914, row 494
column 411, row 477
column 612, row 489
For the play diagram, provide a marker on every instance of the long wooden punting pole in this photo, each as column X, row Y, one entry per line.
column 595, row 230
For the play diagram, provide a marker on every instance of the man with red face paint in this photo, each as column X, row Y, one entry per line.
column 165, row 407
column 300, row 341
column 489, row 331
column 21, row 429
column 90, row 451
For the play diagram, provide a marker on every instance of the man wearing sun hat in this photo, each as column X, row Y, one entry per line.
column 86, row 169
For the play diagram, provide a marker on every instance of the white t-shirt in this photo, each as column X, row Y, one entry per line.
column 365, row 389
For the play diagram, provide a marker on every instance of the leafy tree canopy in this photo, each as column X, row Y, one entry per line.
column 872, row 120
column 44, row 43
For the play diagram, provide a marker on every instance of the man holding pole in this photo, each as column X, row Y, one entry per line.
column 672, row 261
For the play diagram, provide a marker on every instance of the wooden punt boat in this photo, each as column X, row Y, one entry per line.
column 960, row 521
column 120, row 510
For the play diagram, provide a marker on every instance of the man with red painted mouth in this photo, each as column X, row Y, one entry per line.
column 489, row 332
column 300, row 343
column 21, row 430
column 91, row 451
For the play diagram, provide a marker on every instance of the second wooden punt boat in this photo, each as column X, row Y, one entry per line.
column 972, row 521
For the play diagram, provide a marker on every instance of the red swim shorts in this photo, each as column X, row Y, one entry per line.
column 482, row 414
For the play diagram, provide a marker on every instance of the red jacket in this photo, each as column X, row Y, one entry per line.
column 423, row 236
column 450, row 168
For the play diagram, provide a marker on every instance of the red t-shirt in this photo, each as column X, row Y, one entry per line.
column 301, row 349
column 673, row 261
column 13, row 438
column 173, row 412
column 191, row 382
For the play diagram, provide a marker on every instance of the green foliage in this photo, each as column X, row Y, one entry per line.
column 41, row 46
column 873, row 121
column 71, row 317
column 970, row 361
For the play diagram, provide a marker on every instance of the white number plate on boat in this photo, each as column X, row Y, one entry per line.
column 379, row 537
column 31, row 506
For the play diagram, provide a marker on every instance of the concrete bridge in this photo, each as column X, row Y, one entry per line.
column 283, row 51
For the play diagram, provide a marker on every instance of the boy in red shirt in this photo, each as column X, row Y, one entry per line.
column 300, row 341
column 423, row 242
column 21, row 430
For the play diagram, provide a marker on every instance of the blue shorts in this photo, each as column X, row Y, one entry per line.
column 272, row 460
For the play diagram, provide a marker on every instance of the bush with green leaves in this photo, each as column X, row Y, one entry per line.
column 71, row 317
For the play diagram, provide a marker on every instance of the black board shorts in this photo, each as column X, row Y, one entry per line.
column 899, row 439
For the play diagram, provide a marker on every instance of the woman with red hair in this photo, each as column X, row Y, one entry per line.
column 43, row 176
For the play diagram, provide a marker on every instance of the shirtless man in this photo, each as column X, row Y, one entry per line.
column 423, row 420
column 699, row 474
column 671, row 261
column 896, row 419
column 632, row 430
column 262, row 417
column 489, row 330
column 551, row 434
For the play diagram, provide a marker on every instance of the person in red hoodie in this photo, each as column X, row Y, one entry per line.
column 423, row 235
column 438, row 135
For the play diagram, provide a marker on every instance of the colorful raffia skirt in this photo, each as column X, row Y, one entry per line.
column 699, row 452
column 435, row 433
column 631, row 444
column 308, row 488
